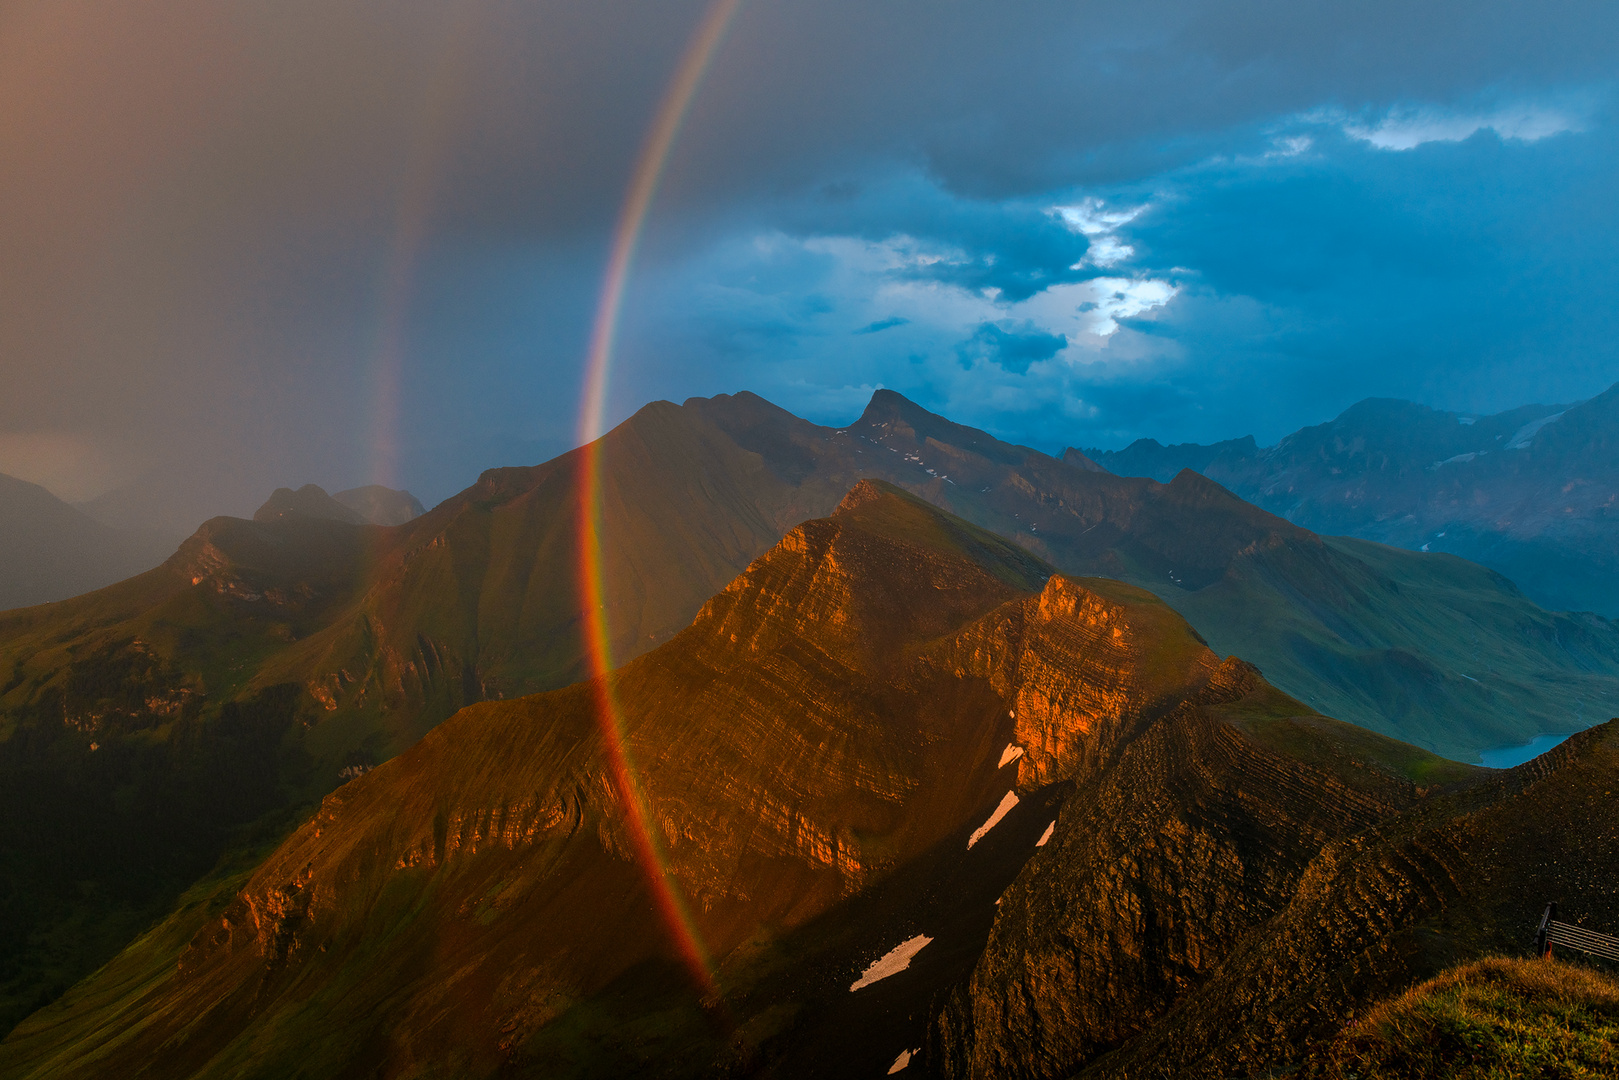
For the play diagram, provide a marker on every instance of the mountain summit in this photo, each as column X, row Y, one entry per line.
column 899, row 796
column 836, row 722
column 369, row 505
column 266, row 662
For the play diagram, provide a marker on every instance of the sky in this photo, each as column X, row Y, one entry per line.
column 346, row 241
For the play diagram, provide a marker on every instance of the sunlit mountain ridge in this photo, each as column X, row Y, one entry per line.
column 1099, row 846
column 201, row 707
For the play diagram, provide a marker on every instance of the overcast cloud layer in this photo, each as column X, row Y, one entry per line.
column 244, row 245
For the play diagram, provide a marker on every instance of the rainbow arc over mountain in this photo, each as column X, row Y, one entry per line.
column 665, row 890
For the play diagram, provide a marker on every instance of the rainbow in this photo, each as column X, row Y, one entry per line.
column 649, row 168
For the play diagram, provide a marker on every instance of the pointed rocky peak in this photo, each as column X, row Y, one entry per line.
column 1079, row 460
column 867, row 492
column 892, row 415
column 1064, row 598
column 867, row 584
column 1194, row 491
column 309, row 501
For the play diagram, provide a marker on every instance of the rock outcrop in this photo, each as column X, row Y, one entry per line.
column 832, row 720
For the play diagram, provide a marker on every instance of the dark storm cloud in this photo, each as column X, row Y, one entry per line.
column 1310, row 265
column 216, row 216
column 1470, row 273
column 1011, row 349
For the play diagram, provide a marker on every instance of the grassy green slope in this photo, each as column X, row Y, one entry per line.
column 135, row 746
column 1494, row 1019
column 1428, row 648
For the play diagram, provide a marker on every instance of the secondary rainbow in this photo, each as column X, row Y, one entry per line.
column 413, row 207
column 592, row 586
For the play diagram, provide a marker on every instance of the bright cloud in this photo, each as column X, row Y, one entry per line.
column 1092, row 309
column 1092, row 218
column 1406, row 128
column 1289, row 146
column 1097, row 305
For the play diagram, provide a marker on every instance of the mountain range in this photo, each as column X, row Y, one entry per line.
column 55, row 550
column 190, row 713
column 901, row 798
column 197, row 711
column 1532, row 493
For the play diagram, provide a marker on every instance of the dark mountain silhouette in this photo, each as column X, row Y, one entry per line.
column 370, row 505
column 50, row 551
column 191, row 711
column 1532, row 493
column 1109, row 850
column 1149, row 457
column 309, row 501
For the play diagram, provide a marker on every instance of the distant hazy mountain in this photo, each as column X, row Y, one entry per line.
column 370, row 505
column 51, row 551
column 381, row 505
column 1148, row 457
column 171, row 503
column 905, row 799
column 1532, row 493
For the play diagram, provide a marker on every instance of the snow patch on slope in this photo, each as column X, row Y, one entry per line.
column 892, row 962
column 1008, row 801
column 1526, row 434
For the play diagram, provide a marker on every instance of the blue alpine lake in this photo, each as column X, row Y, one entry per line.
column 1507, row 756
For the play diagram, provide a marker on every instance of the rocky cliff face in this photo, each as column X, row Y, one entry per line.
column 1154, row 872
column 1222, row 909
column 1186, row 873
column 836, row 715
column 348, row 643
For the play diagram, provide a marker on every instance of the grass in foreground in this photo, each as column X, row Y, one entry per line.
column 1490, row 1020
